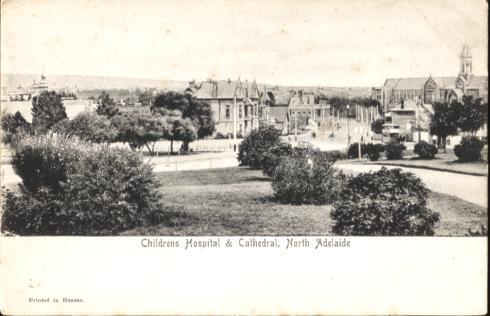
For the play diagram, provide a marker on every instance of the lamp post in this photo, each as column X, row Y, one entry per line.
column 348, row 126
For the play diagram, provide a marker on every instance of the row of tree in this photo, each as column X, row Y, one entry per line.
column 173, row 116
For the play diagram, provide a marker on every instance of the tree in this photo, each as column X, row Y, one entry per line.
column 106, row 105
column 443, row 123
column 89, row 127
column 471, row 115
column 197, row 112
column 13, row 124
column 377, row 125
column 47, row 110
column 141, row 129
column 257, row 143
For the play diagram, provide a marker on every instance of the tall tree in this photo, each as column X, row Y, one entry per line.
column 106, row 105
column 471, row 115
column 197, row 113
column 443, row 123
column 47, row 110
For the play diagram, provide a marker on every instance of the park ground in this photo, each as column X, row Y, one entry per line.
column 239, row 201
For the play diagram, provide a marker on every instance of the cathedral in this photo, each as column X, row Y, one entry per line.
column 426, row 90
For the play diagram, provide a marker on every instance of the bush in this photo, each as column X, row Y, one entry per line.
column 306, row 178
column 394, row 150
column 335, row 155
column 221, row 136
column 373, row 151
column 353, row 151
column 425, row 150
column 255, row 144
column 271, row 159
column 14, row 125
column 74, row 188
column 469, row 149
column 383, row 203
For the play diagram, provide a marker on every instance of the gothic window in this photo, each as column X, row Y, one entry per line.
column 240, row 112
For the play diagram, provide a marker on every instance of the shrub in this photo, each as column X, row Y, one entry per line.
column 377, row 125
column 335, row 155
column 13, row 125
column 271, row 159
column 373, row 151
column 383, row 203
column 221, row 136
column 353, row 151
column 255, row 144
column 75, row 188
column 306, row 179
column 394, row 150
column 469, row 149
column 425, row 150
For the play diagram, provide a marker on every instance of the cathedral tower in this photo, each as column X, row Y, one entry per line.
column 465, row 62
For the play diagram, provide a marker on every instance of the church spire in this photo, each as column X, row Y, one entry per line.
column 465, row 62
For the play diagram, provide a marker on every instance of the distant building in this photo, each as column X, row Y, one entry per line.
column 410, row 118
column 305, row 108
column 426, row 90
column 235, row 104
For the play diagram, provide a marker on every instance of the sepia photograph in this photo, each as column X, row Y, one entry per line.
column 243, row 124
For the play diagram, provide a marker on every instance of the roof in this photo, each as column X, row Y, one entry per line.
column 445, row 82
column 411, row 106
column 476, row 82
column 405, row 83
column 279, row 113
column 226, row 89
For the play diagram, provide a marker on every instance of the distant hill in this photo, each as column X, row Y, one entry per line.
column 90, row 82
column 87, row 83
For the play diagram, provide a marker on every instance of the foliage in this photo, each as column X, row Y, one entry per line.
column 141, row 129
column 469, row 149
column 471, row 115
column 106, row 105
column 377, row 125
column 75, row 188
column 383, row 203
column 335, row 155
column 373, row 151
column 47, row 110
column 425, row 150
column 89, row 127
column 255, row 144
column 307, row 177
column 13, row 124
column 271, row 158
column 191, row 111
column 394, row 150
column 353, row 151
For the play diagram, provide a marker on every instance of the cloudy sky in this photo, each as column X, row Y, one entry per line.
column 328, row 43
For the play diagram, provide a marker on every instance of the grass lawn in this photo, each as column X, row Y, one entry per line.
column 443, row 161
column 238, row 201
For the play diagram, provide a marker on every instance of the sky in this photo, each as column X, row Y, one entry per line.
column 288, row 42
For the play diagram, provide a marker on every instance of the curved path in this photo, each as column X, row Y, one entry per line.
column 467, row 187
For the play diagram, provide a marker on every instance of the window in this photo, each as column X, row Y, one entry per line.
column 246, row 111
column 227, row 112
column 318, row 113
column 240, row 112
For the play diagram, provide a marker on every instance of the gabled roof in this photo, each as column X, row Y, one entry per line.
column 226, row 89
column 445, row 82
column 405, row 83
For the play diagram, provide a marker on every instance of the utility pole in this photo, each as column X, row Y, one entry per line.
column 348, row 127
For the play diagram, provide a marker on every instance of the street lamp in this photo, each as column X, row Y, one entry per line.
column 348, row 126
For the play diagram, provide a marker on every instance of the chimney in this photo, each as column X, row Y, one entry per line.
column 215, row 89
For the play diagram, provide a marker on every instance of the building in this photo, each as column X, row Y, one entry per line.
column 410, row 119
column 426, row 90
column 235, row 104
column 305, row 108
